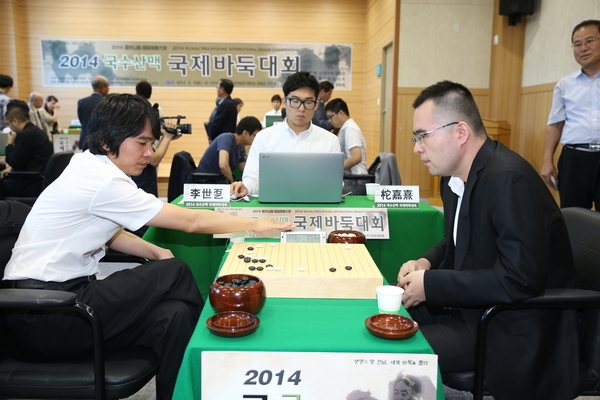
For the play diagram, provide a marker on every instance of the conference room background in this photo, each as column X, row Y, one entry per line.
column 511, row 69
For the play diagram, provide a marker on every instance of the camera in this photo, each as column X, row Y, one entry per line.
column 180, row 129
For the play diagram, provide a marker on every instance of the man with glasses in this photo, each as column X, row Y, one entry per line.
column 227, row 152
column 506, row 241
column 574, row 121
column 352, row 143
column 296, row 134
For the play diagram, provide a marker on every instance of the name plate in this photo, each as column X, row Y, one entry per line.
column 311, row 376
column 373, row 223
column 397, row 196
column 203, row 195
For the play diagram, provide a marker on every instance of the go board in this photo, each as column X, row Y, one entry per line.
column 307, row 270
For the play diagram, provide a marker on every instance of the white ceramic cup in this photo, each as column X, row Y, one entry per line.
column 371, row 188
column 389, row 299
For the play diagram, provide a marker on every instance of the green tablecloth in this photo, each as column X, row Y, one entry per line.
column 412, row 232
column 296, row 325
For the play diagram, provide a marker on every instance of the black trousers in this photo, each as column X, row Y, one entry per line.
column 578, row 178
column 448, row 335
column 154, row 305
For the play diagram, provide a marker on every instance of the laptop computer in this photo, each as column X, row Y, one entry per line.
column 270, row 120
column 300, row 177
column 3, row 140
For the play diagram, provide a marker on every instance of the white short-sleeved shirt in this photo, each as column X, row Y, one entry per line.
column 350, row 137
column 66, row 231
column 281, row 138
column 576, row 101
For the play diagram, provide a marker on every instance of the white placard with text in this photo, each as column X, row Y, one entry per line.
column 202, row 195
column 396, row 196
column 316, row 376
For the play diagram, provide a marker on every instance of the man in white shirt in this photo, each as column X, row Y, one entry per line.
column 352, row 143
column 297, row 134
column 276, row 103
column 156, row 305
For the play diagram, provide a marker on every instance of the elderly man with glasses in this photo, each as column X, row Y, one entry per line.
column 574, row 121
column 296, row 134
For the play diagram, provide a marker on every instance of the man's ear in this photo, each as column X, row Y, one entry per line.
column 463, row 132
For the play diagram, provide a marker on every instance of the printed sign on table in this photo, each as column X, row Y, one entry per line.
column 395, row 196
column 312, row 376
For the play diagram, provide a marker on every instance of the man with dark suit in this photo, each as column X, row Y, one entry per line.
column 27, row 150
column 505, row 241
column 224, row 117
column 86, row 105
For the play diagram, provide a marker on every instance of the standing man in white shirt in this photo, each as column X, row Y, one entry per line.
column 276, row 103
column 296, row 134
column 352, row 143
column 574, row 121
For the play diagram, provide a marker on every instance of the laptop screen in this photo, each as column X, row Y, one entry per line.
column 300, row 177
column 271, row 120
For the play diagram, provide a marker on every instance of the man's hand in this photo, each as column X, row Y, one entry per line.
column 266, row 224
column 238, row 189
column 410, row 278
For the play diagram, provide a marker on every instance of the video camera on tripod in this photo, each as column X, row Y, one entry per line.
column 179, row 129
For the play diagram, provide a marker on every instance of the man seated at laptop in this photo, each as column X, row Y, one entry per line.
column 227, row 152
column 27, row 149
column 296, row 134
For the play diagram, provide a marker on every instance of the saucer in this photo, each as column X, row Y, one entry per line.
column 391, row 326
column 233, row 323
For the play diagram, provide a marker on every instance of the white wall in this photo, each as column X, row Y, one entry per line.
column 548, row 53
column 445, row 39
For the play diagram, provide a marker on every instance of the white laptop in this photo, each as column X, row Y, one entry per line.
column 300, row 177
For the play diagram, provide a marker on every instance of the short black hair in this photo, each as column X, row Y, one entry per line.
column 51, row 98
column 453, row 102
column 18, row 109
column 326, row 86
column 587, row 22
column 299, row 80
column 118, row 117
column 227, row 85
column 144, row 89
column 6, row 81
column 237, row 101
column 337, row 105
column 276, row 97
column 249, row 124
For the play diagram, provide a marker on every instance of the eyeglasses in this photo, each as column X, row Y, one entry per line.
column 296, row 103
column 331, row 116
column 589, row 42
column 418, row 138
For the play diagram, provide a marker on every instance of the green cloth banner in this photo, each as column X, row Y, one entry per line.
column 74, row 62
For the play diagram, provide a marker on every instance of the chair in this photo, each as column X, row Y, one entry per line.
column 102, row 374
column 383, row 170
column 584, row 232
column 39, row 180
column 182, row 171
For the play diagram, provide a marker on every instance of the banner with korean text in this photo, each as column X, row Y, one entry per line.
column 73, row 62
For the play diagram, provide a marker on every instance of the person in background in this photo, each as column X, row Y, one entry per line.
column 224, row 117
column 50, row 114
column 276, row 104
column 574, row 121
column 320, row 117
column 506, row 241
column 28, row 150
column 352, row 143
column 238, row 106
column 6, row 84
column 86, row 106
column 155, row 305
column 36, row 102
column 296, row 134
column 227, row 151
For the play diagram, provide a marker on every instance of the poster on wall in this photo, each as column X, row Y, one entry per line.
column 331, row 376
column 74, row 62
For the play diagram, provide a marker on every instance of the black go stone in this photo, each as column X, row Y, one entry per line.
column 332, row 269
column 348, row 267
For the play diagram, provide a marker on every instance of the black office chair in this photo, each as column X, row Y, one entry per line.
column 38, row 181
column 383, row 170
column 182, row 171
column 102, row 374
column 584, row 232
